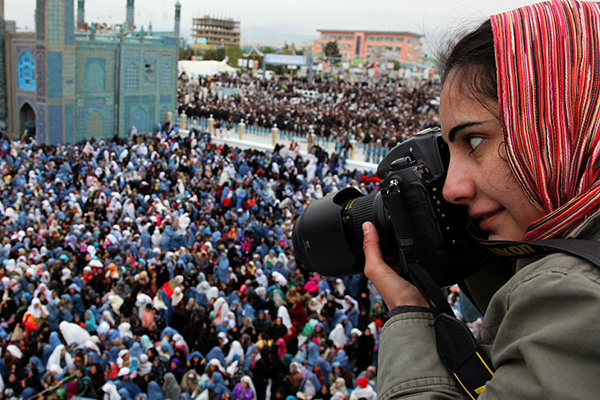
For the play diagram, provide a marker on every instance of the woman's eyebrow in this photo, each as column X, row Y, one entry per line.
column 454, row 131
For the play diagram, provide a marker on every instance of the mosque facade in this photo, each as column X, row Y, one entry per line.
column 68, row 82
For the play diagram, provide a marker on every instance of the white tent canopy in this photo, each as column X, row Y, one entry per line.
column 194, row 69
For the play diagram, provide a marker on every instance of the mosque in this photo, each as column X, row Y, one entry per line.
column 68, row 81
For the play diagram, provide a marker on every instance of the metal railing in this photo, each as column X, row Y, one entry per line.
column 250, row 133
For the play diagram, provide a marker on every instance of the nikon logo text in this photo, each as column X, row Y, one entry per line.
column 512, row 251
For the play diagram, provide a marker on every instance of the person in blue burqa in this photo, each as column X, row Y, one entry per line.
column 222, row 271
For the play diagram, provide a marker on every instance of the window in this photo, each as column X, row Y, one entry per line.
column 131, row 77
column 26, row 71
column 149, row 73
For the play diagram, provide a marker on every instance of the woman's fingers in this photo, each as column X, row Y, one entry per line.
column 394, row 290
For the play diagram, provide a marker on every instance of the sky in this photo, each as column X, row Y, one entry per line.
column 273, row 22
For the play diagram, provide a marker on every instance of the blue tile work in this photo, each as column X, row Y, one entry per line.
column 163, row 114
column 55, row 22
column 69, row 123
column 132, row 76
column 40, row 121
column 135, row 106
column 95, row 75
column 105, row 56
column 69, row 23
column 95, row 126
column 69, row 74
column 25, row 99
column 88, row 106
column 149, row 74
column 55, row 125
column 132, row 54
column 40, row 72
column 165, row 74
column 170, row 41
column 26, row 72
column 40, row 21
column 3, row 105
column 55, row 75
column 77, row 78
column 139, row 119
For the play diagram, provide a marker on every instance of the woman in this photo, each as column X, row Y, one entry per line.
column 243, row 390
column 217, row 386
column 519, row 113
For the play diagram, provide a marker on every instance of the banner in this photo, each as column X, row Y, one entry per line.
column 281, row 59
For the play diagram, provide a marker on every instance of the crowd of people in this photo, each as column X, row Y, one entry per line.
column 161, row 267
column 383, row 112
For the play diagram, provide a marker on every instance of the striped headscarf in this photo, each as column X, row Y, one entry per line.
column 548, row 57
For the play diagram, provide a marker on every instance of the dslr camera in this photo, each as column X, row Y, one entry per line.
column 411, row 216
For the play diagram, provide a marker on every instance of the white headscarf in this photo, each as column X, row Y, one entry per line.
column 141, row 301
column 37, row 311
column 338, row 336
column 180, row 342
column 236, row 348
column 283, row 313
column 111, row 391
column 54, row 359
column 145, row 366
column 212, row 293
column 261, row 278
column 248, row 380
column 279, row 278
column 125, row 330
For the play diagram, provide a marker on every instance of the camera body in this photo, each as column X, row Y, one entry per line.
column 409, row 212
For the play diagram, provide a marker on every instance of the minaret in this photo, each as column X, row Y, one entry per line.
column 177, row 29
column 80, row 15
column 130, row 14
column 3, row 99
column 55, row 71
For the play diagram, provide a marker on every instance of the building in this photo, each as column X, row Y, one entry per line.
column 216, row 31
column 373, row 46
column 67, row 84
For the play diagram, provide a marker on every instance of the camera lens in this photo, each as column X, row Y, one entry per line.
column 328, row 235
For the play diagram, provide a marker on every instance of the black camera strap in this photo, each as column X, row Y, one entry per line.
column 420, row 277
column 455, row 342
column 589, row 250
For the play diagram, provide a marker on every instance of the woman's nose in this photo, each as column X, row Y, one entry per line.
column 459, row 188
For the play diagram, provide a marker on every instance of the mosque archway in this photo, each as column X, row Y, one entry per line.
column 27, row 120
column 95, row 125
column 139, row 119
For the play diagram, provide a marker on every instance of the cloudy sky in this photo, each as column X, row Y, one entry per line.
column 276, row 21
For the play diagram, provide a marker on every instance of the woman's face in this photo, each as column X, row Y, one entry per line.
column 478, row 175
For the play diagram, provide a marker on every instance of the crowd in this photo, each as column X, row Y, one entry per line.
column 382, row 112
column 161, row 267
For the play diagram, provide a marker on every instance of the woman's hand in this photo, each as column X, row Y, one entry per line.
column 392, row 288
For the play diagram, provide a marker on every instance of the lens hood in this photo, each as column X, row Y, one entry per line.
column 320, row 241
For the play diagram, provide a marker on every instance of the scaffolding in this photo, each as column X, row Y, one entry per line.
column 217, row 31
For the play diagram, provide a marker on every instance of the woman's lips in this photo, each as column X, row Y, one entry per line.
column 486, row 222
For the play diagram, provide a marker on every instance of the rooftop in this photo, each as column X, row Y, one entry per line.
column 374, row 32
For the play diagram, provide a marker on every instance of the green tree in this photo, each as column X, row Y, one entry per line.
column 216, row 54
column 331, row 52
column 234, row 53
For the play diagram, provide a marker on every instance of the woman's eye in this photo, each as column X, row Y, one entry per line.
column 474, row 141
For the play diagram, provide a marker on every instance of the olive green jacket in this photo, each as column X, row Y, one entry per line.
column 541, row 330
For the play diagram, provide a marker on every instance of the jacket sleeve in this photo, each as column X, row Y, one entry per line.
column 547, row 322
column 409, row 364
column 541, row 330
